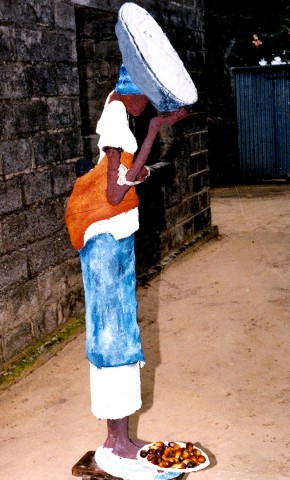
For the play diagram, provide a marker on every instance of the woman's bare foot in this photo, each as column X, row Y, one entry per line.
column 126, row 449
column 109, row 443
column 119, row 441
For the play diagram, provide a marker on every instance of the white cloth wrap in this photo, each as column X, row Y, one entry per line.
column 122, row 180
column 113, row 128
column 115, row 391
column 120, row 226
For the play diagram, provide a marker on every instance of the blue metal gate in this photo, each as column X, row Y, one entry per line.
column 262, row 96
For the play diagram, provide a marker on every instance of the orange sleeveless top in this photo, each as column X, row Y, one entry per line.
column 88, row 202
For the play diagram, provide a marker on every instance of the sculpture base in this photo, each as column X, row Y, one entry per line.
column 88, row 469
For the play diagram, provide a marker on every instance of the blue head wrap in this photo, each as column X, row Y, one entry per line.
column 125, row 86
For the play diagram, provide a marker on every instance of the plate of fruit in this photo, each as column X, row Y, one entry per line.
column 173, row 456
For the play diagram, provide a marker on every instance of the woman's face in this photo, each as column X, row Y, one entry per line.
column 135, row 104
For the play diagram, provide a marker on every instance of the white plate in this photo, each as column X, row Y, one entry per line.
column 176, row 470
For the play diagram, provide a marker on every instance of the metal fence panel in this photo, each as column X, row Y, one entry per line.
column 262, row 97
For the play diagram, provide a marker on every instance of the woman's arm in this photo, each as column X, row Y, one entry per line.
column 153, row 129
column 115, row 192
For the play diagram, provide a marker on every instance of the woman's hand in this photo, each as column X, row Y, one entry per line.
column 145, row 172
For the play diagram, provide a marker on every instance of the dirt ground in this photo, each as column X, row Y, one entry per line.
column 215, row 330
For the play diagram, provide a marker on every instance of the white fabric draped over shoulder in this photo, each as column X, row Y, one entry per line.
column 113, row 128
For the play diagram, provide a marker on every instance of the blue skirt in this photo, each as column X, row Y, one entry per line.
column 109, row 277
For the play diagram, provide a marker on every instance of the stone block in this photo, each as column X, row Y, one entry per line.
column 30, row 12
column 47, row 148
column 204, row 199
column 13, row 81
column 15, row 233
column 52, row 79
column 44, row 45
column 10, row 195
column 58, row 46
column 176, row 214
column 194, row 205
column 176, row 236
column 172, row 194
column 77, row 112
column 38, row 324
column 71, row 144
column 35, row 223
column 28, row 45
column 50, row 285
column 63, row 246
column 50, row 318
column 195, row 183
column 204, row 140
column 197, row 121
column 73, row 272
column 194, row 143
column 37, row 187
column 41, row 255
column 5, row 314
column 6, row 44
column 7, row 121
column 100, row 25
column 67, row 79
column 73, row 303
column 25, row 303
column 205, row 179
column 42, row 80
column 26, row 117
column 16, row 156
column 193, row 164
column 60, row 113
column 202, row 220
column 15, row 340
column 63, row 178
column 1, row 351
column 64, row 15
column 202, row 161
column 188, row 229
column 45, row 220
column 60, row 316
column 13, row 269
column 2, row 249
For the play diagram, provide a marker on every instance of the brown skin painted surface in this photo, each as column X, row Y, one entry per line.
column 118, row 436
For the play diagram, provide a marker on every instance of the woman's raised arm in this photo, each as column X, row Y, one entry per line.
column 116, row 192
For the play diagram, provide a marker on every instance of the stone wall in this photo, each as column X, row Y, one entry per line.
column 59, row 60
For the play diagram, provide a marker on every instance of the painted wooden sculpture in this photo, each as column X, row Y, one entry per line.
column 102, row 217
